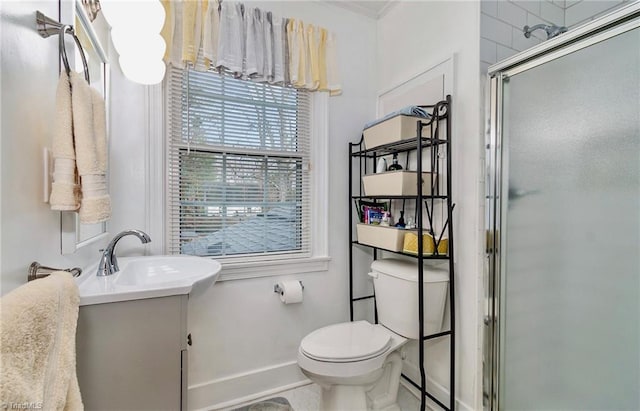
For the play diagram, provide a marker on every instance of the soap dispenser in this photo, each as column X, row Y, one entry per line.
column 394, row 165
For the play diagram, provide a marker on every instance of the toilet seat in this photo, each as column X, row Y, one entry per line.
column 346, row 342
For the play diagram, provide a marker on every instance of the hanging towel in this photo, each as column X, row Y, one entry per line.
column 65, row 192
column 231, row 42
column 210, row 34
column 38, row 344
column 89, row 124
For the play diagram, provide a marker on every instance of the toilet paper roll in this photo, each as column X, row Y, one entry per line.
column 290, row 292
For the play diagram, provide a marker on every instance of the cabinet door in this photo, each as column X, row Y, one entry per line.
column 129, row 355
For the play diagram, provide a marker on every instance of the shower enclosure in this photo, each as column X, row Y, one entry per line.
column 563, row 222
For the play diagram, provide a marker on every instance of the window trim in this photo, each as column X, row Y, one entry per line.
column 158, row 191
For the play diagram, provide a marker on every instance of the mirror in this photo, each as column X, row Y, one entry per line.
column 92, row 36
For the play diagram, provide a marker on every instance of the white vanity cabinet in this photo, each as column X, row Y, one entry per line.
column 132, row 355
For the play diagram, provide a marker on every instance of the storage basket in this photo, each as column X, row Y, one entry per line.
column 396, row 128
column 388, row 238
column 397, row 183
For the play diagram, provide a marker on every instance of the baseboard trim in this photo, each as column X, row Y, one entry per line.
column 244, row 387
column 434, row 388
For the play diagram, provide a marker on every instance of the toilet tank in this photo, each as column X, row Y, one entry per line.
column 396, row 286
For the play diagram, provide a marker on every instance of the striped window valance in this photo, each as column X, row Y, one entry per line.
column 250, row 43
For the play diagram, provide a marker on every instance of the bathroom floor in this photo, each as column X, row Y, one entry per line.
column 307, row 398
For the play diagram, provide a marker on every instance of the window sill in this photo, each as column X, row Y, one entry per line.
column 257, row 269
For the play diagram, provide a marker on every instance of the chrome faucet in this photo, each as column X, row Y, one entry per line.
column 109, row 263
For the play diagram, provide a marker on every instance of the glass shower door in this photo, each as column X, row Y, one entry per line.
column 570, row 281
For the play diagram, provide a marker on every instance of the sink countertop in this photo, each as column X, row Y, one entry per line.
column 148, row 277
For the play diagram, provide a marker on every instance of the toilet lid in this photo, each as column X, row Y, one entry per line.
column 345, row 342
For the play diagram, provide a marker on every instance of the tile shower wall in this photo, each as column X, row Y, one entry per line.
column 582, row 11
column 501, row 23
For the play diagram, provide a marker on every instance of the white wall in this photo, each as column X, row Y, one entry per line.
column 245, row 340
column 28, row 74
column 412, row 37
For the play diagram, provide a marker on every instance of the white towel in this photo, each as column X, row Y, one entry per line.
column 38, row 344
column 65, row 192
column 89, row 124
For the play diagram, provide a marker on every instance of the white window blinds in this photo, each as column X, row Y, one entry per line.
column 238, row 167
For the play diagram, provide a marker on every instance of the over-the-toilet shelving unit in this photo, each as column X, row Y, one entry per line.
column 438, row 146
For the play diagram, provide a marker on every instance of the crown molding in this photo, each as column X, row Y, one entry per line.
column 358, row 7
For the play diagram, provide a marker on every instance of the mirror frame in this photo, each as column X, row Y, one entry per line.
column 70, row 227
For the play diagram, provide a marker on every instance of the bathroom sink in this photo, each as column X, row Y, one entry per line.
column 148, row 277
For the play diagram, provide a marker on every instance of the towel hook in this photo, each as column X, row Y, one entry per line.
column 63, row 52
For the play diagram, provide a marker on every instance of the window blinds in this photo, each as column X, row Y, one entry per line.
column 238, row 167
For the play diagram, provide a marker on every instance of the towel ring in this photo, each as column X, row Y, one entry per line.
column 63, row 52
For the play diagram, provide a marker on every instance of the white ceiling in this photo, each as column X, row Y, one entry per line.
column 370, row 8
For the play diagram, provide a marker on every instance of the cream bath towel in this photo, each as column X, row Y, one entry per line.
column 65, row 192
column 38, row 352
column 89, row 125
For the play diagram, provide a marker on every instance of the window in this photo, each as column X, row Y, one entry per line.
column 239, row 168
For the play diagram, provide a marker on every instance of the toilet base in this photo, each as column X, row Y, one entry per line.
column 343, row 397
column 376, row 391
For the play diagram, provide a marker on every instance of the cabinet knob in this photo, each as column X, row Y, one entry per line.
column 189, row 341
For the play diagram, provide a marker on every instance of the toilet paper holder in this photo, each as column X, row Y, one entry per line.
column 278, row 289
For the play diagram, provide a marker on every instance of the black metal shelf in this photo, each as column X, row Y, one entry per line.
column 367, row 297
column 424, row 256
column 437, row 127
column 387, row 197
column 398, row 147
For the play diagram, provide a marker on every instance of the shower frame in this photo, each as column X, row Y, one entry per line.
column 620, row 21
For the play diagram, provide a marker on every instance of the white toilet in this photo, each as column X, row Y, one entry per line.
column 358, row 364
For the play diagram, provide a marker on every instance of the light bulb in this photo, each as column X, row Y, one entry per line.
column 141, row 71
